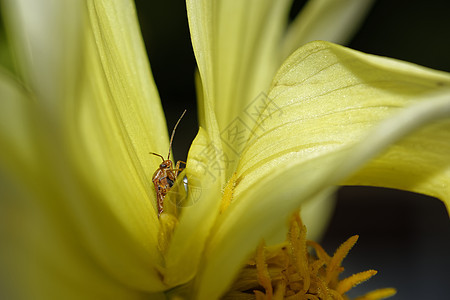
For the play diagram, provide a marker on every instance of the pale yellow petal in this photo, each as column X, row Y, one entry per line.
column 200, row 100
column 419, row 163
column 43, row 259
column 329, row 102
column 329, row 20
column 316, row 216
column 42, row 253
column 46, row 35
column 202, row 28
column 206, row 169
column 206, row 164
column 198, row 212
column 241, row 230
column 94, row 175
column 18, row 139
column 112, row 126
column 236, row 44
column 326, row 97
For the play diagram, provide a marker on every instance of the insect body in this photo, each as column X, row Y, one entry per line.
column 165, row 176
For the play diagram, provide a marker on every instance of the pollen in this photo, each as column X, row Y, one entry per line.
column 228, row 193
column 292, row 271
column 168, row 222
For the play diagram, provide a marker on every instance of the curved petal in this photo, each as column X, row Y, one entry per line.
column 112, row 126
column 316, row 216
column 119, row 116
column 41, row 252
column 204, row 171
column 46, row 41
column 17, row 134
column 329, row 98
column 241, row 230
column 418, row 163
column 329, row 20
column 42, row 259
column 326, row 97
column 258, row 213
column 94, row 172
column 236, row 44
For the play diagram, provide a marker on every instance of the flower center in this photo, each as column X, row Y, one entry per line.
column 290, row 271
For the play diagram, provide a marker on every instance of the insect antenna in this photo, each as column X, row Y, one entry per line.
column 157, row 155
column 173, row 133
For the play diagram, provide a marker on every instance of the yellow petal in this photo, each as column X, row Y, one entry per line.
column 113, row 125
column 241, row 229
column 198, row 211
column 201, row 23
column 46, row 41
column 200, row 100
column 418, row 163
column 236, row 44
column 327, row 97
column 328, row 100
column 42, row 259
column 244, row 224
column 201, row 28
column 316, row 216
column 207, row 162
column 43, row 255
column 329, row 20
column 93, row 179
column 18, row 139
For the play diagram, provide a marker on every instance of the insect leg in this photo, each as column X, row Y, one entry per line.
column 177, row 167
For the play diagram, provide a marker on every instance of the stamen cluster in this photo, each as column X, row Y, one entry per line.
column 290, row 271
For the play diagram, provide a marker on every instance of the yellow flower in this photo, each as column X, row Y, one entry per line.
column 78, row 208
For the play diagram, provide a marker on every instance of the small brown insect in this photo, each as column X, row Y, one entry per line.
column 165, row 176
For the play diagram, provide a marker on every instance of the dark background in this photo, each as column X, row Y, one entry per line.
column 405, row 236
